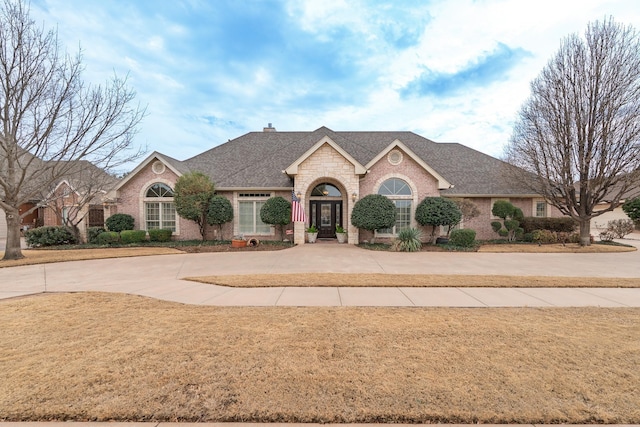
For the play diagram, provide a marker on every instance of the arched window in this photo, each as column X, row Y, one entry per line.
column 399, row 192
column 159, row 190
column 159, row 210
column 325, row 190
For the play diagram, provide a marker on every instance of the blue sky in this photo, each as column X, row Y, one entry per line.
column 212, row 70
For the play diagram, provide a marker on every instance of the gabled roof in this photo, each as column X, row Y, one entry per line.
column 176, row 166
column 259, row 159
column 442, row 182
column 293, row 168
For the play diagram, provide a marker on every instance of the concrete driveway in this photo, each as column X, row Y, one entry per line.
column 160, row 277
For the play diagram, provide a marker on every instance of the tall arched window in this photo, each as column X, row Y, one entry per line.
column 399, row 192
column 159, row 210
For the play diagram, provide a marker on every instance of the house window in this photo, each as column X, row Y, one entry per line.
column 159, row 210
column 249, row 205
column 399, row 192
column 541, row 209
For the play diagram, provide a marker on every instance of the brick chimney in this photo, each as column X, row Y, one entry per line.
column 269, row 128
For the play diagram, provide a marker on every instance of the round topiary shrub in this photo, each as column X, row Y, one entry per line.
column 120, row 222
column 276, row 211
column 436, row 212
column 160, row 235
column 464, row 238
column 133, row 236
column 373, row 212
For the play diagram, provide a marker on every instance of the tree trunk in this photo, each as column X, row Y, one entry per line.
column 585, row 232
column 13, row 249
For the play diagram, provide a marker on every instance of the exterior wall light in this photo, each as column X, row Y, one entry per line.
column 354, row 196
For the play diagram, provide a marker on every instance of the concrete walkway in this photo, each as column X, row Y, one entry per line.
column 161, row 277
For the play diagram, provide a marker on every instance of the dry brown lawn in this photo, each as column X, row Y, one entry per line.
column 413, row 280
column 44, row 256
column 107, row 357
column 555, row 248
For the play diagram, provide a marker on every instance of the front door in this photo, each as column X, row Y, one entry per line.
column 326, row 215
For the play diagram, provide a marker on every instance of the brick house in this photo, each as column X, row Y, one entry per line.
column 329, row 171
column 77, row 199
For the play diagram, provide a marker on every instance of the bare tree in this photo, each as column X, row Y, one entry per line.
column 83, row 189
column 50, row 118
column 579, row 132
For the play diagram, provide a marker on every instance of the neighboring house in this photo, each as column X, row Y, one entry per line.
column 78, row 199
column 329, row 171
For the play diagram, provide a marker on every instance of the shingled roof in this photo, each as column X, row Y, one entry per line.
column 258, row 159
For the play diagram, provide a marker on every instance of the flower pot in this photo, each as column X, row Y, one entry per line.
column 311, row 237
column 342, row 237
column 238, row 243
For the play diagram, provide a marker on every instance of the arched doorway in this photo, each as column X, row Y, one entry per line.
column 326, row 209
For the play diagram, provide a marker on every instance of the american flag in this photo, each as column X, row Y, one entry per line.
column 297, row 211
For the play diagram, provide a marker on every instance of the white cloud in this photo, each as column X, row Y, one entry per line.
column 343, row 64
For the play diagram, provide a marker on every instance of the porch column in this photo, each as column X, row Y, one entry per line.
column 299, row 233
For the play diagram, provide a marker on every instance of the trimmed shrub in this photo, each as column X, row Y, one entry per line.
column 220, row 212
column 160, row 235
column 545, row 236
column 50, row 236
column 373, row 212
column 562, row 225
column 108, row 238
column 511, row 217
column 632, row 208
column 120, row 222
column 503, row 209
column 465, row 238
column 92, row 234
column 133, row 236
column 436, row 212
column 408, row 240
column 276, row 211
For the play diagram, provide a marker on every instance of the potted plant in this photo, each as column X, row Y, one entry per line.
column 341, row 234
column 312, row 233
column 238, row 241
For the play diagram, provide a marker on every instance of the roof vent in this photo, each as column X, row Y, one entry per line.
column 269, row 128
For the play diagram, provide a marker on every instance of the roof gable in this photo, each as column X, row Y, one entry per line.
column 169, row 162
column 442, row 182
column 293, row 168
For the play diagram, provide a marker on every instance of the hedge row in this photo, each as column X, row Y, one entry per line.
column 50, row 236
column 559, row 225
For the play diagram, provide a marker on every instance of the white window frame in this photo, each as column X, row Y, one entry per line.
column 534, row 212
column 144, row 200
column 252, row 197
column 410, row 198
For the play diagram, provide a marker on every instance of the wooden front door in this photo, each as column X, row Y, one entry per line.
column 326, row 215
